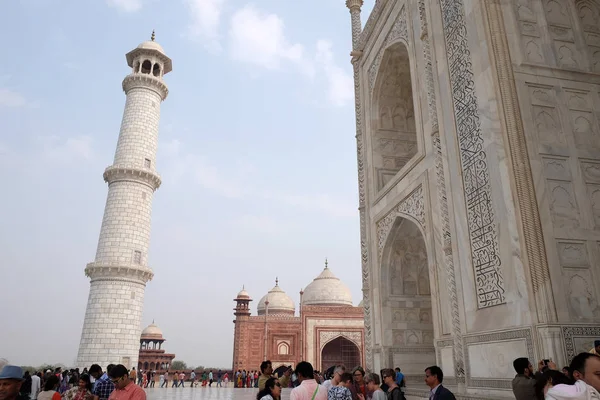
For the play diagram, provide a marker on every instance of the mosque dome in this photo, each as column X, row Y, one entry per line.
column 327, row 290
column 152, row 331
column 279, row 302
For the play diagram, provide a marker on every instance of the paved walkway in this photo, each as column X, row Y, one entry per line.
column 206, row 393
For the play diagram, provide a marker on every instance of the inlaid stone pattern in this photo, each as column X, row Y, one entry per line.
column 485, row 253
column 411, row 206
column 327, row 336
column 398, row 31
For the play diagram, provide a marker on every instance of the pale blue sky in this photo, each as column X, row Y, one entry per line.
column 257, row 155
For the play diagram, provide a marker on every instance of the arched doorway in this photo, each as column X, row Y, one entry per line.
column 406, row 302
column 340, row 351
column 394, row 140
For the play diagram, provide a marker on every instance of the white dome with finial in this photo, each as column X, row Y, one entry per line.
column 327, row 290
column 279, row 302
column 152, row 331
column 243, row 294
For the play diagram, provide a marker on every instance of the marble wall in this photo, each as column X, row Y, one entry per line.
column 501, row 185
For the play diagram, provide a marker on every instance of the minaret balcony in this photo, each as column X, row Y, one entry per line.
column 119, row 173
column 118, row 271
column 145, row 81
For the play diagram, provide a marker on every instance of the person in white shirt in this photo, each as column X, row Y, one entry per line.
column 36, row 383
column 309, row 389
column 335, row 379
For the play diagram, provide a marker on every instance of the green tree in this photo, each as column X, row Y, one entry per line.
column 178, row 365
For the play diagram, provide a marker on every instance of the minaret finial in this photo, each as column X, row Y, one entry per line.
column 326, row 263
column 243, row 287
column 276, row 281
column 152, row 321
column 153, row 36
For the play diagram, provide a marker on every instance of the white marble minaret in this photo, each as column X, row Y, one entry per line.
column 111, row 329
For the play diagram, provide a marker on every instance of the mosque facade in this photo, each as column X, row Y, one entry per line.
column 328, row 329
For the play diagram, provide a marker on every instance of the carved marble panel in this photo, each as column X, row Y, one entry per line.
column 412, row 206
column 560, row 28
column 591, row 171
column 572, row 254
column 578, row 100
column 581, row 296
column 530, row 31
column 563, row 206
column 579, row 339
column 594, row 197
column 398, row 31
column 548, row 125
column 481, row 220
column 556, row 168
column 585, row 129
column 588, row 12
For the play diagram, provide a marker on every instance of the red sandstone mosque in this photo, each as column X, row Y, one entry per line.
column 152, row 356
column 328, row 330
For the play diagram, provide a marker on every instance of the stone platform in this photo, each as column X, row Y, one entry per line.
column 206, row 393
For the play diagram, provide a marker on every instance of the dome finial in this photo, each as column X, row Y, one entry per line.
column 326, row 263
column 153, row 36
column 276, row 281
column 152, row 321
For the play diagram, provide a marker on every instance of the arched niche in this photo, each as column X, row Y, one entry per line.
column 394, row 133
column 406, row 302
column 340, row 351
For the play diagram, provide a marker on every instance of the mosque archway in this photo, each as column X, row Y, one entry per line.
column 394, row 141
column 340, row 351
column 406, row 302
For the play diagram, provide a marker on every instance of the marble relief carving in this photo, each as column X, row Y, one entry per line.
column 560, row 27
column 545, row 115
column 446, row 237
column 394, row 136
column 412, row 206
column 572, row 254
column 591, row 176
column 530, row 31
column 573, row 333
column 588, row 12
column 581, row 297
column 584, row 125
column 398, row 31
column 489, row 280
column 327, row 336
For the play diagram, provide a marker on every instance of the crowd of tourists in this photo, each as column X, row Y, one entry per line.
column 150, row 378
column 580, row 380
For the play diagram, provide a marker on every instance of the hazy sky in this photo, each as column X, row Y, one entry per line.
column 257, row 155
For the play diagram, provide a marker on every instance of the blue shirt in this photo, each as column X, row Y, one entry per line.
column 399, row 377
column 103, row 387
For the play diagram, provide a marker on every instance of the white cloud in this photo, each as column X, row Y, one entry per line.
column 126, row 5
column 237, row 183
column 205, row 18
column 8, row 98
column 340, row 82
column 259, row 38
column 66, row 150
